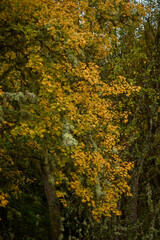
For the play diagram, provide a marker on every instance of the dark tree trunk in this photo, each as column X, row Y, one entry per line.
column 134, row 190
column 53, row 208
column 50, row 191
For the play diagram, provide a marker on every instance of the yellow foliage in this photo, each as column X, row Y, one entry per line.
column 3, row 199
column 63, row 50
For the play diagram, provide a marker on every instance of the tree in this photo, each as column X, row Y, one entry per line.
column 57, row 109
column 137, row 57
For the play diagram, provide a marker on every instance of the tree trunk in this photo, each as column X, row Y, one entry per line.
column 134, row 190
column 53, row 208
column 50, row 191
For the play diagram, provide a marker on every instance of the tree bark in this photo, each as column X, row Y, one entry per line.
column 53, row 208
column 134, row 190
column 50, row 191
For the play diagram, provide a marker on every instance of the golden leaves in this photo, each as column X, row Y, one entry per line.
column 63, row 55
column 3, row 200
column 1, row 92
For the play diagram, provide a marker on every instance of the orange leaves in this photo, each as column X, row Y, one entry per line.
column 89, row 72
column 3, row 200
column 84, row 193
column 118, row 86
column 1, row 92
column 97, row 173
column 62, row 49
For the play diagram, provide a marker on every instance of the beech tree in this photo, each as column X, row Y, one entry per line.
column 57, row 108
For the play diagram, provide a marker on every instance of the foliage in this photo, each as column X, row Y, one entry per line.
column 78, row 105
column 139, row 64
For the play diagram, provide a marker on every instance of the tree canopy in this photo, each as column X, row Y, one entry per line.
column 71, row 76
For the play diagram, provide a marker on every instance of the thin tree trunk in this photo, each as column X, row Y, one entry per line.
column 134, row 190
column 154, row 211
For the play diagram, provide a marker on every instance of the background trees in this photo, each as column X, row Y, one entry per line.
column 137, row 61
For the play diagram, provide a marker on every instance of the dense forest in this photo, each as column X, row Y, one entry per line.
column 79, row 120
